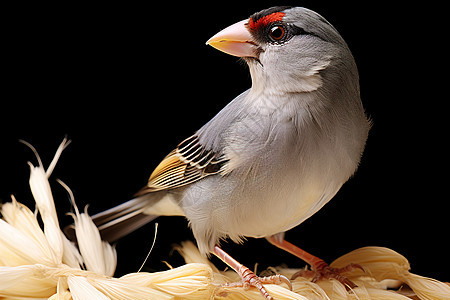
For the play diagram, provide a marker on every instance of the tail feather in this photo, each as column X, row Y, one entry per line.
column 131, row 206
column 118, row 228
column 125, row 218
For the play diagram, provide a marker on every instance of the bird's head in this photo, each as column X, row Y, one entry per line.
column 288, row 49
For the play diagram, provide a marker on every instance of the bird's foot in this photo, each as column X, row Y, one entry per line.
column 320, row 269
column 249, row 279
column 323, row 270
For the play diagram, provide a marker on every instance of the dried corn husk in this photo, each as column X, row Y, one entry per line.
column 38, row 263
column 384, row 264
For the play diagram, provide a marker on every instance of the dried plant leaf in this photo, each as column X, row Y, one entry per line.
column 238, row 293
column 383, row 263
column 17, row 248
column 62, row 292
column 42, row 194
column 379, row 262
column 23, row 219
column 25, row 281
column 99, row 257
column 428, row 288
column 71, row 255
column 9, row 276
column 191, row 281
column 44, row 264
column 120, row 290
column 81, row 289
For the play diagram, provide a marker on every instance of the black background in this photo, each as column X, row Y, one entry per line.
column 126, row 83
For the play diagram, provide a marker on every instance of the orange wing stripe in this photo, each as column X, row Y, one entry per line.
column 189, row 162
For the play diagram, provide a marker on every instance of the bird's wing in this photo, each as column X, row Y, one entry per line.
column 187, row 163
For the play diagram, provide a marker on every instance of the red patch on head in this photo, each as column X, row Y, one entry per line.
column 264, row 21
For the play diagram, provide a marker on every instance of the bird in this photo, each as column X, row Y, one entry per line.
column 273, row 156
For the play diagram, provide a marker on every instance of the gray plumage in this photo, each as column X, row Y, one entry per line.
column 279, row 151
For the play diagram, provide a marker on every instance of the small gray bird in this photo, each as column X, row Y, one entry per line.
column 274, row 155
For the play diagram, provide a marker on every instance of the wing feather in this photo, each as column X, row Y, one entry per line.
column 189, row 162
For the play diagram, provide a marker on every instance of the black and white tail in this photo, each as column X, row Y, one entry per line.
column 125, row 218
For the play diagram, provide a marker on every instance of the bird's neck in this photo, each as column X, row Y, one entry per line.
column 267, row 81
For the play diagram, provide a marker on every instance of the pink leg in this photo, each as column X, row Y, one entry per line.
column 320, row 268
column 249, row 279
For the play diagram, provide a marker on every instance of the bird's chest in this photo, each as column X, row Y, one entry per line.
column 285, row 170
column 270, row 141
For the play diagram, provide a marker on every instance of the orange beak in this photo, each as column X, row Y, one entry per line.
column 235, row 40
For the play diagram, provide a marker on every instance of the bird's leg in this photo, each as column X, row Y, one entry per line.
column 320, row 269
column 249, row 279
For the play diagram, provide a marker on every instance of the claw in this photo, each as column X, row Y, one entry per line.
column 351, row 267
column 258, row 282
column 286, row 281
column 325, row 271
column 277, row 279
column 303, row 273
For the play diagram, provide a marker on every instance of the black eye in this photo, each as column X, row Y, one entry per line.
column 277, row 32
